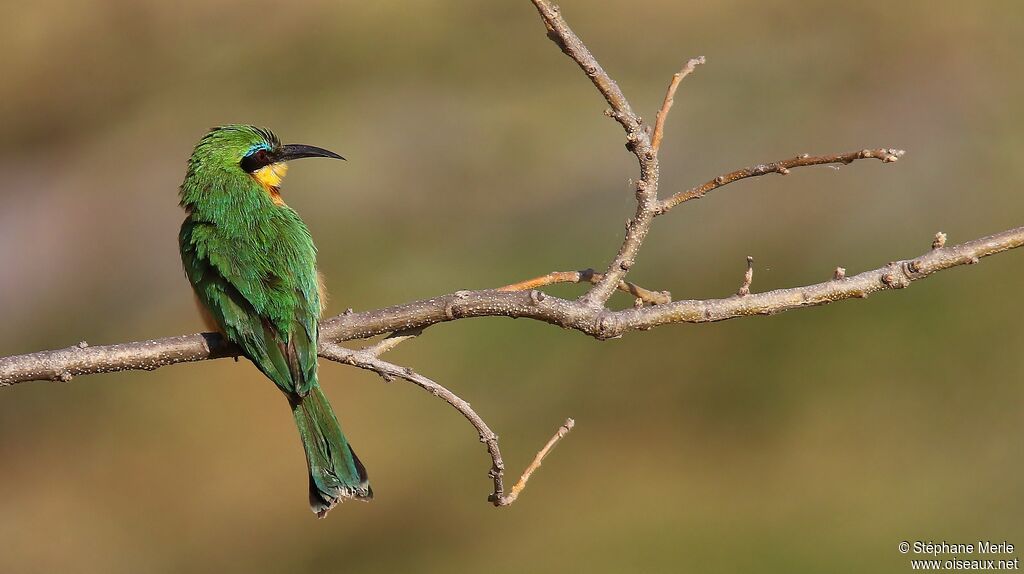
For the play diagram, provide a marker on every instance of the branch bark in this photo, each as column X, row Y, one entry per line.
column 82, row 359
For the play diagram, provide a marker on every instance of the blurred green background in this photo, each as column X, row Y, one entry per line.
column 808, row 442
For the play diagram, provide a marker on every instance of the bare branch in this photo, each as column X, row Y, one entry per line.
column 390, row 371
column 63, row 364
column 780, row 167
column 590, row 276
column 670, row 95
column 560, row 33
column 637, row 141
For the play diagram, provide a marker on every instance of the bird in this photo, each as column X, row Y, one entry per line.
column 252, row 264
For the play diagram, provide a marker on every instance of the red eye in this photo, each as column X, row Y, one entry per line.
column 262, row 156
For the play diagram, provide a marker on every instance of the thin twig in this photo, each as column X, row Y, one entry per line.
column 780, row 167
column 64, row 364
column 590, row 276
column 670, row 95
column 545, row 280
column 537, row 460
column 392, row 341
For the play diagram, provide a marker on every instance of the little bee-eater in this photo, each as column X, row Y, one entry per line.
column 252, row 264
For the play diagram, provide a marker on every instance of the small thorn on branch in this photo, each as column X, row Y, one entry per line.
column 894, row 276
column 748, row 278
column 839, row 274
column 892, row 155
column 940, row 240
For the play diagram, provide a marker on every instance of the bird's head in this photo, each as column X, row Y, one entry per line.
column 233, row 153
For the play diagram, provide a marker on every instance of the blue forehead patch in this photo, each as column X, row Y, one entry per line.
column 257, row 147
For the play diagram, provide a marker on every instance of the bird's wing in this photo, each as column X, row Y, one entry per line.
column 277, row 331
column 305, row 331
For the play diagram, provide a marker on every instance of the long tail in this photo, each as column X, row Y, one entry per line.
column 335, row 472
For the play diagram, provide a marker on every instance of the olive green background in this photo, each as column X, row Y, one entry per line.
column 814, row 441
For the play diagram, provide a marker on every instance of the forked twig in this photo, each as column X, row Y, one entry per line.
column 390, row 371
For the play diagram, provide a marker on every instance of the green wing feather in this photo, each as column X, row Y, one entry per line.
column 271, row 314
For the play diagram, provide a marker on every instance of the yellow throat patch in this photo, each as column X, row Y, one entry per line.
column 270, row 176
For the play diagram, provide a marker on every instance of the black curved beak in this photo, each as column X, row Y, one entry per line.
column 297, row 151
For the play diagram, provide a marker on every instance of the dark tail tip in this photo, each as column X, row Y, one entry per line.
column 321, row 502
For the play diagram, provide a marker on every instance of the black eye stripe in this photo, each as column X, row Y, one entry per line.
column 255, row 160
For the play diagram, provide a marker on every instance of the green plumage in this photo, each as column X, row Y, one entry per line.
column 252, row 263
